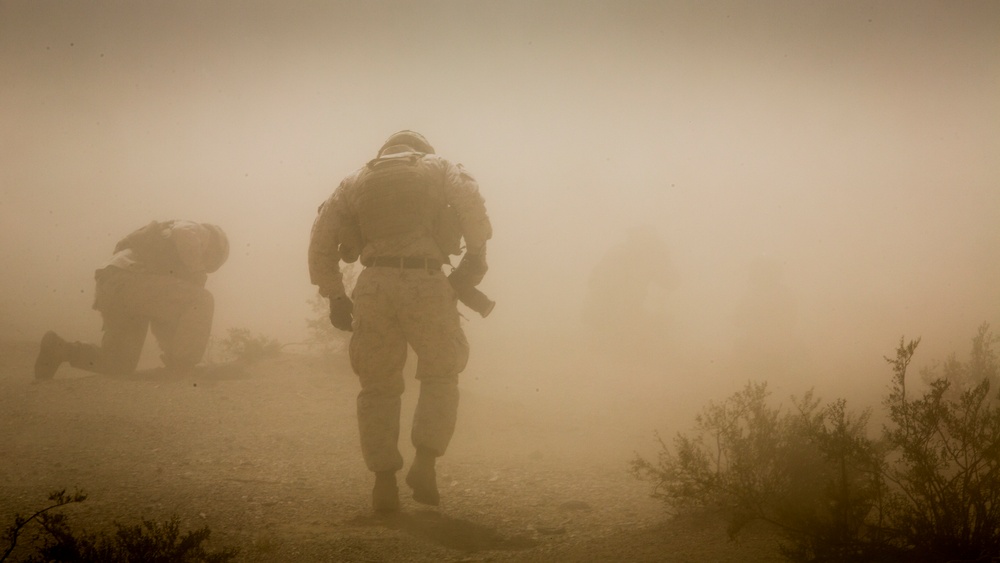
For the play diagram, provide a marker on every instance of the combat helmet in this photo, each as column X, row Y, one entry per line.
column 412, row 139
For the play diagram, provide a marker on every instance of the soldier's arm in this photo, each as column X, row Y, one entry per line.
column 130, row 238
column 462, row 192
column 324, row 256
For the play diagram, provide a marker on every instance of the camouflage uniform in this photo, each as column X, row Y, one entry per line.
column 155, row 281
column 402, row 297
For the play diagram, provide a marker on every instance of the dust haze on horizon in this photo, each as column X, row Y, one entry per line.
column 852, row 149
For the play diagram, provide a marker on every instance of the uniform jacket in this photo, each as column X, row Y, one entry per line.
column 175, row 248
column 339, row 213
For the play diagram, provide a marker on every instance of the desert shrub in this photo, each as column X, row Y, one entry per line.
column 928, row 489
column 58, row 498
column 240, row 344
column 963, row 376
column 944, row 465
column 809, row 471
column 149, row 541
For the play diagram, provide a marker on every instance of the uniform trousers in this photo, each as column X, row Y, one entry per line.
column 178, row 312
column 396, row 308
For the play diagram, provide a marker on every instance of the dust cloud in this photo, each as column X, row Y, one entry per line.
column 815, row 180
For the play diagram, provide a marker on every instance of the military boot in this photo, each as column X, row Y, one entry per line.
column 52, row 353
column 385, row 495
column 422, row 478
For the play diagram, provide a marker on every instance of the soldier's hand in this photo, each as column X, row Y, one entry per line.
column 471, row 270
column 341, row 309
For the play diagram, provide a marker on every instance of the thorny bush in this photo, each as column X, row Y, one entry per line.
column 243, row 346
column 927, row 489
column 149, row 542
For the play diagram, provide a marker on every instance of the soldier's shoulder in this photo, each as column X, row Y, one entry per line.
column 347, row 184
column 353, row 176
column 450, row 167
column 464, row 173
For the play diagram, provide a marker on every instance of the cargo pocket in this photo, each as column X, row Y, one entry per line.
column 461, row 347
column 377, row 346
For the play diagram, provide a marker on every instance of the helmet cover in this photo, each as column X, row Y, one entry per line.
column 412, row 139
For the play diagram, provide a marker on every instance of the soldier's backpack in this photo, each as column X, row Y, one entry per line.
column 397, row 198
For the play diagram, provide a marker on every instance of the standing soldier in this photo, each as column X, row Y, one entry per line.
column 403, row 214
column 155, row 281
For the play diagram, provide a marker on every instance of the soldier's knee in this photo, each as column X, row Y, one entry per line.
column 382, row 386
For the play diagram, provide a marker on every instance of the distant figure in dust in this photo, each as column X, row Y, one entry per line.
column 621, row 292
column 155, row 281
column 404, row 213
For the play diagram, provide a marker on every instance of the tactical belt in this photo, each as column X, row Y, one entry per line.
column 406, row 262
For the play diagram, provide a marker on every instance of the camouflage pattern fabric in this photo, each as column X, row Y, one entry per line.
column 330, row 239
column 394, row 307
column 182, row 249
column 178, row 312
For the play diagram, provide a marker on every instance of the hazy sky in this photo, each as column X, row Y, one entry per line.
column 855, row 144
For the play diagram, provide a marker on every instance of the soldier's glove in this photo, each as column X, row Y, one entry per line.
column 341, row 309
column 471, row 270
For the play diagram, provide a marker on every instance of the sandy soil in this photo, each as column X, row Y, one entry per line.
column 266, row 455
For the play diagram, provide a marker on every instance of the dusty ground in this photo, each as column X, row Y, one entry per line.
column 266, row 455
